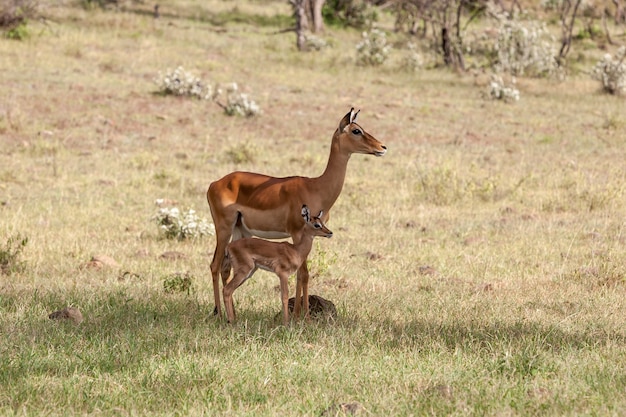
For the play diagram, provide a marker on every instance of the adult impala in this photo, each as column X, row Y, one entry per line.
column 282, row 258
column 245, row 204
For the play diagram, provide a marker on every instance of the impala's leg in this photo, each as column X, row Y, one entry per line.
column 240, row 276
column 305, row 290
column 302, row 282
column 298, row 298
column 284, row 295
column 222, row 238
column 228, row 303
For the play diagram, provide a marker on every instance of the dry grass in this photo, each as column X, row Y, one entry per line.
column 478, row 268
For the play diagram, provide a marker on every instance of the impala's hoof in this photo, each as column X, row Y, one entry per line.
column 215, row 311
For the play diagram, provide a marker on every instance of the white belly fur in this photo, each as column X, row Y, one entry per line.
column 263, row 234
column 268, row 234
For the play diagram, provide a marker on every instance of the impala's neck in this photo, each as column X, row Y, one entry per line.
column 331, row 181
column 303, row 247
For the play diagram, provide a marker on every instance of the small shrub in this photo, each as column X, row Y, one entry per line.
column 239, row 103
column 373, row 50
column 178, row 282
column 242, row 153
column 182, row 83
column 19, row 32
column 314, row 43
column 413, row 60
column 320, row 264
column 182, row 225
column 14, row 16
column 612, row 72
column 525, row 48
column 10, row 255
column 498, row 90
column 445, row 186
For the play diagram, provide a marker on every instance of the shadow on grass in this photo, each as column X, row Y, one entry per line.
column 121, row 332
column 473, row 335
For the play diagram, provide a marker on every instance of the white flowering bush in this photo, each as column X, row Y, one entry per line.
column 238, row 103
column 413, row 60
column 525, row 48
column 182, row 83
column 499, row 90
column 374, row 49
column 175, row 224
column 612, row 72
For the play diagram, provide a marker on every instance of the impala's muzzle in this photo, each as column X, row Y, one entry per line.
column 381, row 153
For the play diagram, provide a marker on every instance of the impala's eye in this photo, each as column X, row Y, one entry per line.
column 318, row 226
column 356, row 132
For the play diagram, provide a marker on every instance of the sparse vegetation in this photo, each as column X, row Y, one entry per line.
column 413, row 59
column 178, row 282
column 499, row 90
column 242, row 153
column 373, row 49
column 182, row 83
column 238, row 103
column 10, row 254
column 177, row 224
column 611, row 72
column 14, row 17
column 525, row 48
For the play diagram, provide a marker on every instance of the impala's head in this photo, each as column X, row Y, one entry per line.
column 353, row 138
column 315, row 225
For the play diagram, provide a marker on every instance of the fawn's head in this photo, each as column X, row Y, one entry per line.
column 314, row 225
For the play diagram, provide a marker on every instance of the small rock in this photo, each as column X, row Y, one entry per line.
column 68, row 313
column 426, row 270
column 172, row 255
column 142, row 253
column 100, row 261
column 318, row 307
column 372, row 256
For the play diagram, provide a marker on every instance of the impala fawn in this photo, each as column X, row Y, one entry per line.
column 282, row 258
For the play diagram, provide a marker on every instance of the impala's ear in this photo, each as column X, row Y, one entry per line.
column 347, row 119
column 306, row 215
column 353, row 116
column 319, row 216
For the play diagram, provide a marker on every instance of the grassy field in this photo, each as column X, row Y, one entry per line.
column 478, row 268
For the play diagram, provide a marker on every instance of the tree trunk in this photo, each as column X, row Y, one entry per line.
column 318, row 19
column 446, row 48
column 567, row 28
column 301, row 22
column 620, row 15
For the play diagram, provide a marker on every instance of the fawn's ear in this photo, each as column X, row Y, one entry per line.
column 319, row 216
column 306, row 215
column 347, row 119
column 353, row 115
